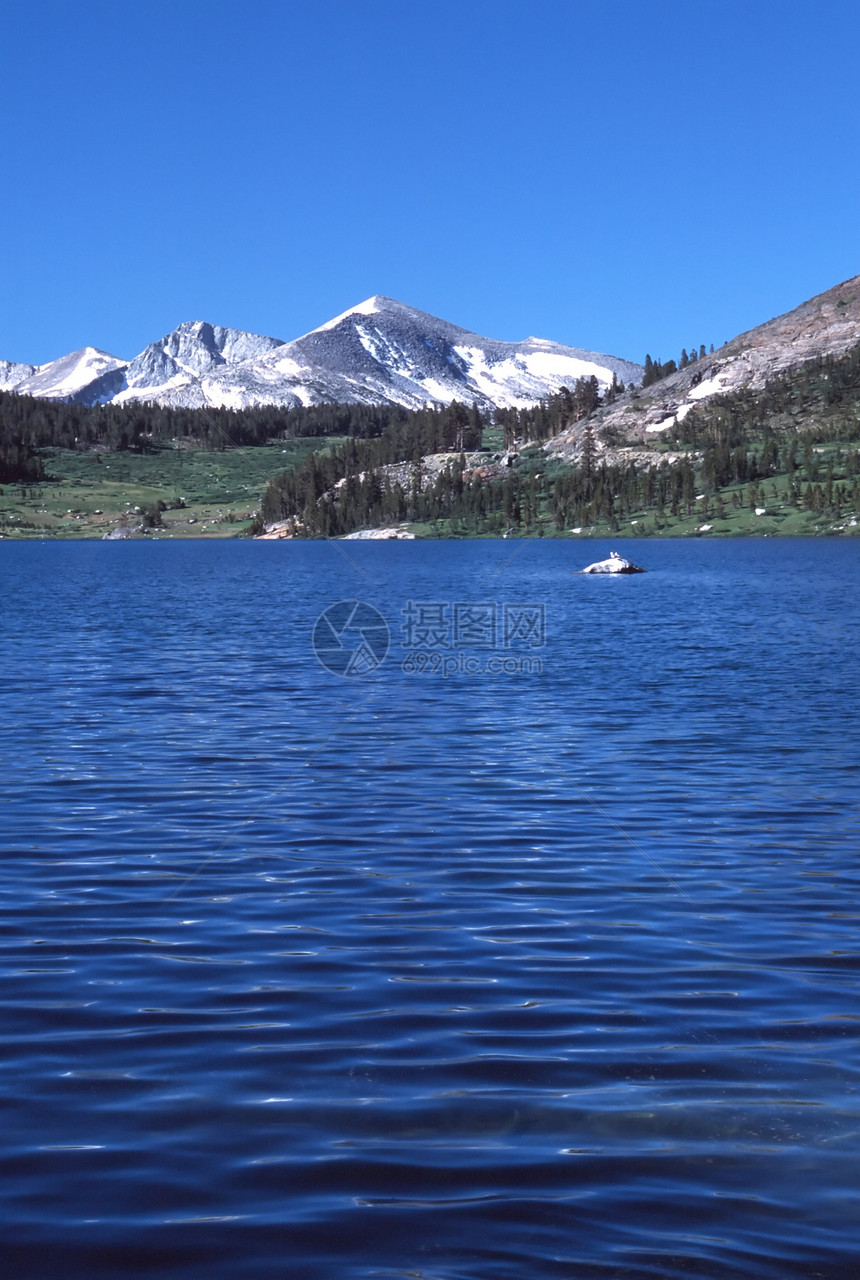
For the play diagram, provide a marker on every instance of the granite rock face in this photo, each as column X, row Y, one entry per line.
column 122, row 532
column 12, row 373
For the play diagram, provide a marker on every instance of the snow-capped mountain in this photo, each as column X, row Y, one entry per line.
column 380, row 352
column 383, row 351
column 88, row 375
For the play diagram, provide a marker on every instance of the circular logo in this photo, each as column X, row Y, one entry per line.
column 351, row 638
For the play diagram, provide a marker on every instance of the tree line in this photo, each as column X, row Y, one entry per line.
column 655, row 369
column 29, row 424
column 141, row 427
column 539, row 422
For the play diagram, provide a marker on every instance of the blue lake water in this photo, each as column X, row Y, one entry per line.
column 542, row 967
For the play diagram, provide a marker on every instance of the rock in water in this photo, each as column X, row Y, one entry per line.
column 615, row 564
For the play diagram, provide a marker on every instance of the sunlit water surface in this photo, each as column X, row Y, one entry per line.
column 482, row 977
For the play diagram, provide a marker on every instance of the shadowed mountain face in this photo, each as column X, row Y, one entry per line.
column 827, row 325
column 380, row 352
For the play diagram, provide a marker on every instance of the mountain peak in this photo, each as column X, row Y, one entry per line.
column 78, row 375
column 370, row 307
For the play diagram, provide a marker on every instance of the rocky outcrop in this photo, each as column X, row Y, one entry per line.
column 12, row 373
column 175, row 370
column 615, row 564
column 380, row 534
column 122, row 532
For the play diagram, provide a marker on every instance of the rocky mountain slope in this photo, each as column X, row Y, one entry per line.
column 179, row 368
column 827, row 325
column 380, row 352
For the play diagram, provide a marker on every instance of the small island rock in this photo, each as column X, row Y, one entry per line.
column 615, row 564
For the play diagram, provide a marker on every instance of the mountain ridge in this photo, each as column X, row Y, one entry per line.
column 380, row 351
column 827, row 324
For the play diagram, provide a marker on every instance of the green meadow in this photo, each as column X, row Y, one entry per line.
column 205, row 494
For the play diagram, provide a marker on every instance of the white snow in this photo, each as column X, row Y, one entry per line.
column 388, row 353
column 439, row 390
column 370, row 307
column 286, row 366
column 708, row 388
column 220, row 397
column 522, row 378
column 186, row 368
column 152, row 393
column 552, row 364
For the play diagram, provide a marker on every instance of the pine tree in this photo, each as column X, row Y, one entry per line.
column 587, row 457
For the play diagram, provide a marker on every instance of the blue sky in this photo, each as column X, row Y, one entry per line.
column 622, row 176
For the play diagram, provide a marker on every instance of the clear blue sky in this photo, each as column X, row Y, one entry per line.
column 622, row 176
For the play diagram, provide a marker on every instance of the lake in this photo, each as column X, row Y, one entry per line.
column 414, row 909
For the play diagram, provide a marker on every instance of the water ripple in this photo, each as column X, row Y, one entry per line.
column 454, row 979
